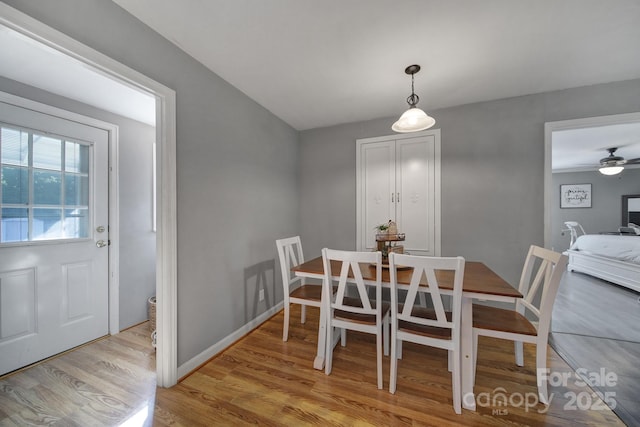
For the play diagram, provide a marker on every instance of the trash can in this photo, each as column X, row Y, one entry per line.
column 151, row 308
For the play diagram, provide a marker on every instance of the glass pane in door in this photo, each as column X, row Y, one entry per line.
column 45, row 186
column 15, row 225
column 47, row 224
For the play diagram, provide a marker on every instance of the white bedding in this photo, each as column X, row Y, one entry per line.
column 623, row 248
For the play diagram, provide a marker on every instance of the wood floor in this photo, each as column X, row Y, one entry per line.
column 103, row 383
column 262, row 380
column 595, row 326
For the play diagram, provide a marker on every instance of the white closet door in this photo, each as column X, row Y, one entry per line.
column 398, row 178
column 415, row 192
column 378, row 188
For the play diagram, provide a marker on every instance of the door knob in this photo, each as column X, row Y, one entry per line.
column 101, row 243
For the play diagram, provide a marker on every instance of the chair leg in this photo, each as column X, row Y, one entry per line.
column 343, row 337
column 303, row 313
column 328, row 356
column 393, row 378
column 519, row 352
column 423, row 299
column 475, row 358
column 541, row 366
column 285, row 325
column 385, row 335
column 399, row 349
column 379, row 351
column 456, row 380
column 450, row 360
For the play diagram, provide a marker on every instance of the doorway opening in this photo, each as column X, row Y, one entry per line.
column 165, row 107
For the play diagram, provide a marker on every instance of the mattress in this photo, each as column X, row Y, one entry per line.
column 620, row 247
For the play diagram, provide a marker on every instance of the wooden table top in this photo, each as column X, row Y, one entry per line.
column 478, row 278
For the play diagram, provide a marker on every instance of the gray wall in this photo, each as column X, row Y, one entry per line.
column 237, row 169
column 137, row 240
column 606, row 203
column 492, row 172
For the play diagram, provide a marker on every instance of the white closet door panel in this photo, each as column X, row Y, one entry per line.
column 414, row 186
column 378, row 188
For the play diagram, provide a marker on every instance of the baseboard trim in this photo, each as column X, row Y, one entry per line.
column 193, row 364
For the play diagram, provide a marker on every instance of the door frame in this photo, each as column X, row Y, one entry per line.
column 549, row 129
column 166, row 201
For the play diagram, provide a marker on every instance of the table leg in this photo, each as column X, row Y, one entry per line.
column 318, row 362
column 466, row 351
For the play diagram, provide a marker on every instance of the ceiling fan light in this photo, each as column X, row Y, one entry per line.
column 413, row 120
column 611, row 170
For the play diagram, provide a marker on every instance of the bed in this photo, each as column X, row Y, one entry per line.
column 614, row 258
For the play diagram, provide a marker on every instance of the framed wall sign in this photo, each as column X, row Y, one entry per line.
column 575, row 195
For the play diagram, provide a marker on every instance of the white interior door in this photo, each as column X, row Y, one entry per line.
column 377, row 171
column 54, row 237
column 415, row 189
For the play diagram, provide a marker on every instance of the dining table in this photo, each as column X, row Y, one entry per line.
column 479, row 283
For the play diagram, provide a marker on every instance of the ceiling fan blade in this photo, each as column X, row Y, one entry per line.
column 633, row 161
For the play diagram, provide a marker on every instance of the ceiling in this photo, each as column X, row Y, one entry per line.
column 30, row 62
column 581, row 149
column 321, row 63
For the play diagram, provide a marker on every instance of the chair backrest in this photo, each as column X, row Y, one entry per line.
column 290, row 254
column 575, row 230
column 540, row 289
column 424, row 270
column 349, row 262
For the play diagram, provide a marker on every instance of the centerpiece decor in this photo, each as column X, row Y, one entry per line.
column 387, row 238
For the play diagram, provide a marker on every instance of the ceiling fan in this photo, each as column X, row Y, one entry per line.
column 612, row 164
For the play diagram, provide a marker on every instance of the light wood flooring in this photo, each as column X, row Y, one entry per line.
column 103, row 383
column 262, row 380
column 595, row 327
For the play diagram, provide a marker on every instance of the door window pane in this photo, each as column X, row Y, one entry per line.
column 47, row 188
column 76, row 223
column 15, row 185
column 15, row 147
column 47, row 224
column 76, row 157
column 47, row 152
column 15, row 225
column 76, row 190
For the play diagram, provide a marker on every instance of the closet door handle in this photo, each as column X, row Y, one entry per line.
column 392, row 194
column 398, row 197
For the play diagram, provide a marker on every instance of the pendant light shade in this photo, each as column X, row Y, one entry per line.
column 414, row 119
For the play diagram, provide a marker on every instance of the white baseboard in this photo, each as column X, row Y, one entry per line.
column 193, row 364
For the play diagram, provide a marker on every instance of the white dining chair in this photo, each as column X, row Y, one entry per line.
column 357, row 313
column 296, row 290
column 539, row 292
column 575, row 230
column 432, row 327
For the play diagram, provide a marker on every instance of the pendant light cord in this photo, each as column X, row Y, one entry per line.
column 413, row 99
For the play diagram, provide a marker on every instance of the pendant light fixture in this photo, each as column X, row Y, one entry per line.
column 611, row 170
column 414, row 119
